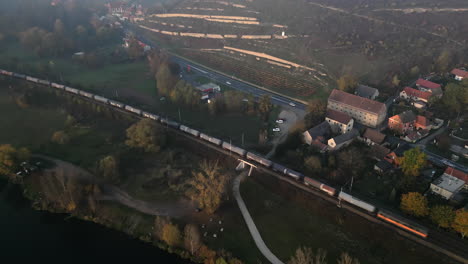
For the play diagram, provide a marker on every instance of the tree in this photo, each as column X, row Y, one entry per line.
column 60, row 137
column 347, row 83
column 208, row 186
column 313, row 163
column 265, row 106
column 10, row 159
column 460, row 223
column 414, row 72
column 305, row 255
column 415, row 204
column 396, row 80
column 159, row 223
column 145, row 135
column 164, row 80
column 443, row 61
column 108, row 167
column 345, row 258
column 221, row 260
column 192, row 239
column 442, row 215
column 135, row 50
column 171, row 235
column 316, row 113
column 352, row 161
column 455, row 97
column 412, row 162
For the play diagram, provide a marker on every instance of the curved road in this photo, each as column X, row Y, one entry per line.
column 250, row 223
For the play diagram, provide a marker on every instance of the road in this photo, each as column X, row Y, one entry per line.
column 250, row 223
column 230, row 81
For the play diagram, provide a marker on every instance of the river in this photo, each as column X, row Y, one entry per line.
column 30, row 236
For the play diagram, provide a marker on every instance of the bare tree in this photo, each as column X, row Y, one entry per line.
column 192, row 240
column 345, row 258
column 305, row 255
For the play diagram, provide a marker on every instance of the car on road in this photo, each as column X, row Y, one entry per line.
column 292, row 104
column 280, row 121
column 228, row 83
column 276, row 129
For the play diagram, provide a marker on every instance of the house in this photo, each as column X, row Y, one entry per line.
column 317, row 133
column 422, row 123
column 378, row 152
column 383, row 166
column 339, row 122
column 209, row 87
column 342, row 140
column 393, row 156
column 416, row 135
column 412, row 94
column 447, row 186
column 457, row 174
column 402, row 122
column 366, row 92
column 116, row 7
column 459, row 74
column 428, row 86
column 419, row 104
column 372, row 136
column 365, row 111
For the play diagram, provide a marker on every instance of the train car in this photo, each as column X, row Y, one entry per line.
column 58, row 86
column 8, row 73
column 330, row 190
column 86, row 94
column 294, row 174
column 357, row 202
column 169, row 122
column 265, row 162
column 211, row 139
column 133, row 110
column 150, row 116
column 234, row 149
column 43, row 82
column 71, row 90
column 189, row 130
column 101, row 99
column 116, row 104
column 279, row 168
column 32, row 79
column 311, row 182
column 17, row 75
column 403, row 223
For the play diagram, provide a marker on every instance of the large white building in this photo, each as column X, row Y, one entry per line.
column 339, row 122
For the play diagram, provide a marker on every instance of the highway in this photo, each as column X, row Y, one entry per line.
column 224, row 79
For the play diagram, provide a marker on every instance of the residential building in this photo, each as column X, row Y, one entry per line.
column 447, row 186
column 339, row 122
column 428, row 86
column 415, row 135
column 459, row 74
column 393, row 157
column 342, row 140
column 457, row 174
column 402, row 122
column 365, row 111
column 422, row 123
column 366, row 92
column 317, row 134
column 415, row 95
column 116, row 7
column 383, row 166
column 378, row 152
column 372, row 136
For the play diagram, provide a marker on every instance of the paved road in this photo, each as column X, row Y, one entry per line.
column 230, row 81
column 250, row 223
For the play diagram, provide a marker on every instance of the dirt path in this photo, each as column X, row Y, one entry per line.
column 177, row 209
column 290, row 118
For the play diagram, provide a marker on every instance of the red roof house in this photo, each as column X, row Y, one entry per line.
column 459, row 74
column 457, row 174
column 428, row 86
column 415, row 95
column 422, row 123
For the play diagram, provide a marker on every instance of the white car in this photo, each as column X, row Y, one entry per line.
column 292, row 104
column 280, row 121
column 276, row 129
column 228, row 83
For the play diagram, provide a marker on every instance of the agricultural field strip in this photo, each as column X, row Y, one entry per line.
column 422, row 10
column 377, row 20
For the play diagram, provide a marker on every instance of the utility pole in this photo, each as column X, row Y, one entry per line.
column 242, row 139
column 180, row 118
column 351, row 185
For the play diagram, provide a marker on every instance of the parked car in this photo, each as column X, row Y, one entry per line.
column 292, row 104
column 280, row 121
column 228, row 83
column 276, row 129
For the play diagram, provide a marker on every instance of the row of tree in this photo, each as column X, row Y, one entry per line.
column 10, row 160
column 305, row 255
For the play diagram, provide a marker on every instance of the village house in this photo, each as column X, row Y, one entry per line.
column 378, row 152
column 428, row 86
column 403, row 122
column 342, row 140
column 459, row 74
column 394, row 156
column 450, row 183
column 458, row 174
column 383, row 167
column 422, row 123
column 366, row 92
column 365, row 111
column 116, row 7
column 317, row 136
column 339, row 122
column 372, row 137
column 412, row 94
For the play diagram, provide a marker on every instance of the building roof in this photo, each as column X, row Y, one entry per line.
column 417, row 93
column 366, row 91
column 427, row 84
column 346, row 137
column 379, row 151
column 319, row 130
column 459, row 72
column 405, row 117
column 374, row 135
column 338, row 116
column 413, row 136
column 422, row 121
column 400, row 150
column 457, row 174
column 319, row 145
column 449, row 183
column 357, row 101
column 384, row 165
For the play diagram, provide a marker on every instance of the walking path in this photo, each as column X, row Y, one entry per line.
column 250, row 223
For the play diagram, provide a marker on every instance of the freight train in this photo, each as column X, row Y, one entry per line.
column 384, row 215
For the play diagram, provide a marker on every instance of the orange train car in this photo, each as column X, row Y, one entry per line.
column 403, row 223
